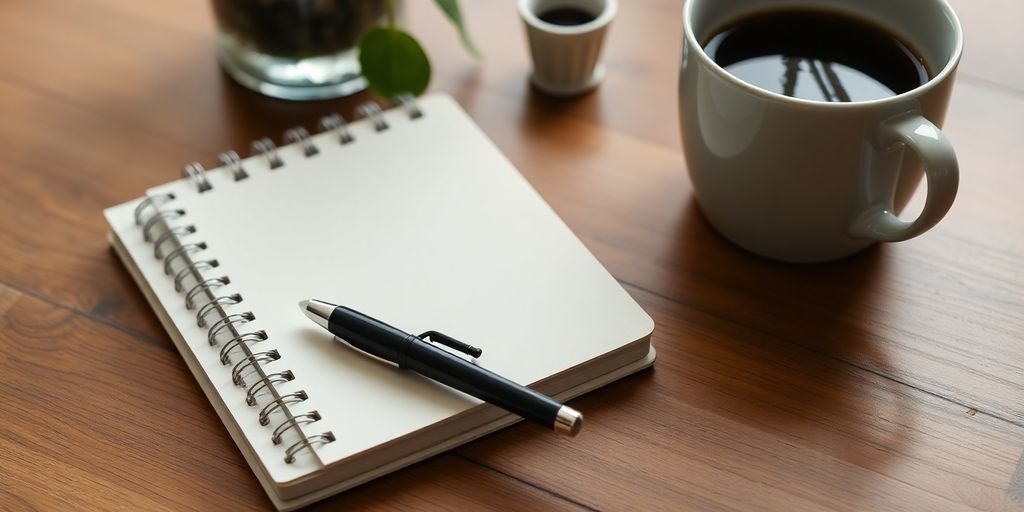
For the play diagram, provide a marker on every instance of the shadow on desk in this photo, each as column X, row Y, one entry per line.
column 799, row 348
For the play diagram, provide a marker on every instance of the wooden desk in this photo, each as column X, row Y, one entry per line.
column 893, row 380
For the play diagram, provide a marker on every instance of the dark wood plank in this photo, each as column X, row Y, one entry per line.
column 61, row 167
column 103, row 421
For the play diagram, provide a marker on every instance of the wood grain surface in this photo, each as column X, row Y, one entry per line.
column 892, row 380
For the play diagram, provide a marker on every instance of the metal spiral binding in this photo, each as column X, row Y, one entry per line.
column 238, row 341
column 408, row 102
column 202, row 287
column 279, row 402
column 371, row 110
column 195, row 171
column 279, row 377
column 216, row 305
column 150, row 202
column 215, row 311
column 147, row 228
column 238, row 372
column 297, row 135
column 195, row 266
column 223, row 323
column 300, row 135
column 231, row 160
column 158, row 252
column 265, row 146
column 309, row 417
column 335, row 122
column 181, row 250
column 307, row 442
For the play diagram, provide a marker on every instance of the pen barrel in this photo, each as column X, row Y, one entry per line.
column 471, row 379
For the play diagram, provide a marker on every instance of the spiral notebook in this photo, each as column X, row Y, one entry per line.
column 410, row 215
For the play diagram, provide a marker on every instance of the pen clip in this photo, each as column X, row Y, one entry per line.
column 452, row 343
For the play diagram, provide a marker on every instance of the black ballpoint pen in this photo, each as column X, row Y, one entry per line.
column 412, row 352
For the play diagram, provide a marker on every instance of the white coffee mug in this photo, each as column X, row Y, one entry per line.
column 810, row 181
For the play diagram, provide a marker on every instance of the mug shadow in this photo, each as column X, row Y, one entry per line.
column 807, row 333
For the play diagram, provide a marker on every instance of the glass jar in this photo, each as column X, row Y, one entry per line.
column 295, row 49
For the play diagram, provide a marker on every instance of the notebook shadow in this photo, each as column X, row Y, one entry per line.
column 439, row 479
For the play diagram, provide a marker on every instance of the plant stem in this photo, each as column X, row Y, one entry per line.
column 390, row 4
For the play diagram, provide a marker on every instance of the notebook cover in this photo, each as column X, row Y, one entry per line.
column 425, row 225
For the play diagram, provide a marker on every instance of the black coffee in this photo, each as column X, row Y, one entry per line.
column 817, row 55
column 566, row 16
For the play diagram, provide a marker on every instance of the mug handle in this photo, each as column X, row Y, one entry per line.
column 940, row 168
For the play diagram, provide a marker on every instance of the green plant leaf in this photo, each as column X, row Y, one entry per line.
column 451, row 9
column 393, row 62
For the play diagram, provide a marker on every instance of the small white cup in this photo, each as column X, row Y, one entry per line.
column 565, row 57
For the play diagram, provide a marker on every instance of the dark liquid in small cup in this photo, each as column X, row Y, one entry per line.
column 566, row 16
column 818, row 55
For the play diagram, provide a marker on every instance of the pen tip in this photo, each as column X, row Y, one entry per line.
column 317, row 311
